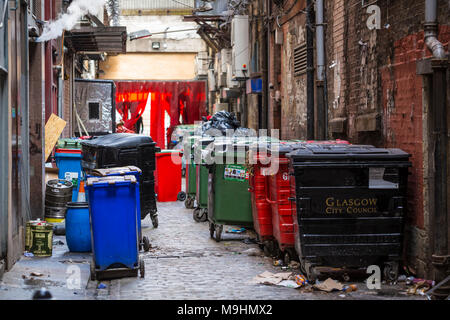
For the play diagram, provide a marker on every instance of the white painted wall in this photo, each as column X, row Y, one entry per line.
column 186, row 41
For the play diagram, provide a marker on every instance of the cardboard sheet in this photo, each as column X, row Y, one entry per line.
column 53, row 129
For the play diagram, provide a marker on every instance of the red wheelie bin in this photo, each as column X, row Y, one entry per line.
column 271, row 205
column 262, row 205
column 168, row 176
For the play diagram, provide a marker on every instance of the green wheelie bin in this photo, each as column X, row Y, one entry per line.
column 200, row 213
column 191, row 173
column 229, row 199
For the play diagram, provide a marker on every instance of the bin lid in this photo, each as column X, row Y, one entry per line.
column 115, row 171
column 110, row 180
column 119, row 140
column 343, row 152
column 69, row 143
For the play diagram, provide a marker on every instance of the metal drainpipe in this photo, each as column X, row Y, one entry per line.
column 60, row 84
column 440, row 257
column 309, row 72
column 320, row 51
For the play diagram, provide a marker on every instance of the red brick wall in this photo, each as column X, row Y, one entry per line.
column 402, row 105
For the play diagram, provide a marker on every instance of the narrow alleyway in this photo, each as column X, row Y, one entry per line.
column 184, row 263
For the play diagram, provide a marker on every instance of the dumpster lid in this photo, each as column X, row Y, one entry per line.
column 342, row 151
column 119, row 140
column 117, row 170
column 92, row 181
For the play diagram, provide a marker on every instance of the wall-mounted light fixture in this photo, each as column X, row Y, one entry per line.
column 156, row 45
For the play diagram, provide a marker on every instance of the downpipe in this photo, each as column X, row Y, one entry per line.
column 440, row 257
column 310, row 121
column 322, row 111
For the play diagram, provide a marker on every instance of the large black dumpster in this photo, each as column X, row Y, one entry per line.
column 125, row 149
column 350, row 206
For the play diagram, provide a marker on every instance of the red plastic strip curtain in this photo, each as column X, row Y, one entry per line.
column 185, row 98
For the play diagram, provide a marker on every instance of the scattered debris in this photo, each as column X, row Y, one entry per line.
column 289, row 284
column 36, row 274
column 419, row 280
column 101, row 286
column 342, row 295
column 301, row 280
column 58, row 243
column 350, row 288
column 401, row 278
column 294, row 265
column 278, row 263
column 419, row 288
column 28, row 254
column 252, row 252
column 329, row 285
column 73, row 261
column 241, row 230
column 271, row 278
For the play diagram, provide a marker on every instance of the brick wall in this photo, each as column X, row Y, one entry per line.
column 375, row 96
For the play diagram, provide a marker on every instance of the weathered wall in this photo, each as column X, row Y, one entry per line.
column 149, row 66
column 406, row 114
column 293, row 88
column 376, row 97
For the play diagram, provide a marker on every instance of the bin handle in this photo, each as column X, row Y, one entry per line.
column 267, row 195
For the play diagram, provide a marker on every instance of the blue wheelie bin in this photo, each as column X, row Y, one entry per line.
column 144, row 242
column 113, row 205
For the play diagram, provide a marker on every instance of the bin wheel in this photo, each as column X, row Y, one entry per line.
column 196, row 214
column 181, row 196
column 211, row 230
column 93, row 274
column 390, row 271
column 146, row 244
column 141, row 267
column 310, row 271
column 219, row 229
column 286, row 258
column 276, row 250
column 267, row 251
column 155, row 221
column 189, row 203
column 203, row 215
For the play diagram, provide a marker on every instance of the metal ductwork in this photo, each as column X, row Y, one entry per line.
column 431, row 30
column 112, row 7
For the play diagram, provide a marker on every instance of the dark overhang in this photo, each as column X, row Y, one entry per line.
column 97, row 39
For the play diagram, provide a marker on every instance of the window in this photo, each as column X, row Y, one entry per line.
column 94, row 110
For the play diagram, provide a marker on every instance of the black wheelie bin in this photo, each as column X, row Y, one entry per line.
column 350, row 206
column 126, row 149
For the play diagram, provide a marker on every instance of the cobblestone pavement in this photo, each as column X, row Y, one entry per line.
column 184, row 263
